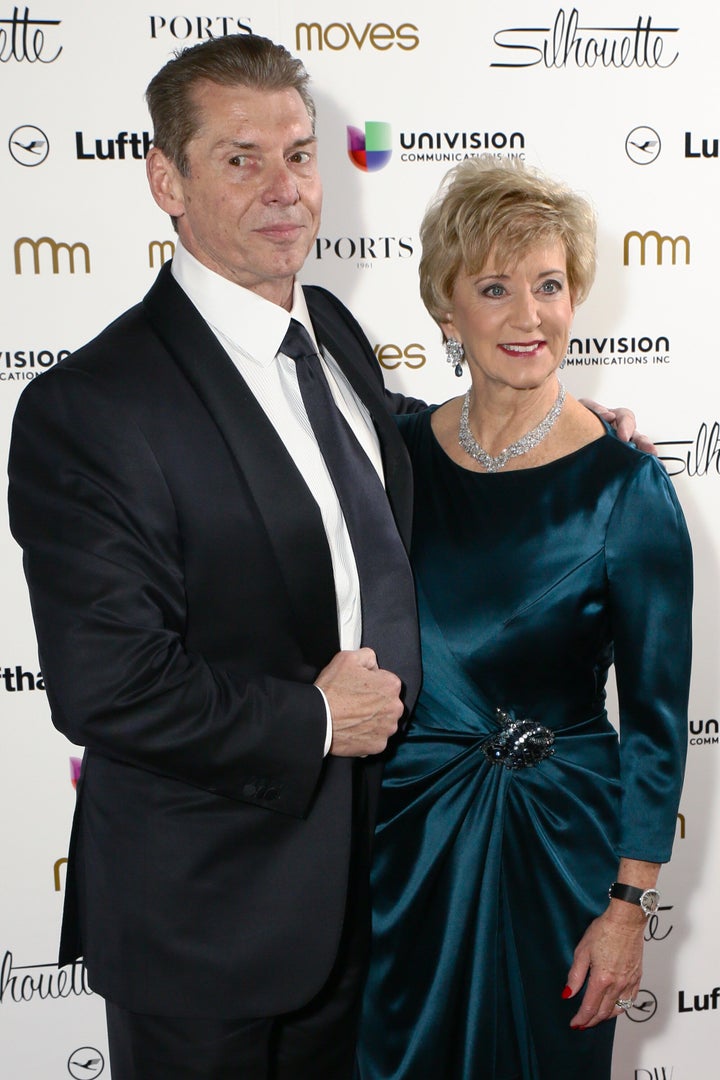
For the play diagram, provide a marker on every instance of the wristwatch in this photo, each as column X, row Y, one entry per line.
column 648, row 899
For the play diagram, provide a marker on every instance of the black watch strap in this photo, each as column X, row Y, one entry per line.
column 629, row 893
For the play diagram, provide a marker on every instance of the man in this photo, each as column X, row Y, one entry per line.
column 202, row 603
column 191, row 580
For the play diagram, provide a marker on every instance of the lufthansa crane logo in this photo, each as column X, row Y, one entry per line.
column 86, row 1063
column 28, row 145
column 643, row 145
column 644, row 1008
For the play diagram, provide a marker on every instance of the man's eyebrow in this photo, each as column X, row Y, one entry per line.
column 239, row 144
column 307, row 140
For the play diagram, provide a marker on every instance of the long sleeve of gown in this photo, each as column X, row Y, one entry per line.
column 649, row 567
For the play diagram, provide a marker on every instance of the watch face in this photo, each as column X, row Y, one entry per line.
column 650, row 901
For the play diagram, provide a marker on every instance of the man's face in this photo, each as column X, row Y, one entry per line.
column 249, row 207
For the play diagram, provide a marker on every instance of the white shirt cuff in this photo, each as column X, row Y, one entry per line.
column 329, row 731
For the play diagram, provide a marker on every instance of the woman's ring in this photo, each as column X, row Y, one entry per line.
column 625, row 1003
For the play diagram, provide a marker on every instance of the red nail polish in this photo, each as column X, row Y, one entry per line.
column 567, row 992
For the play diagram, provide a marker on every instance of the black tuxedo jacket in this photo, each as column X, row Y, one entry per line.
column 183, row 598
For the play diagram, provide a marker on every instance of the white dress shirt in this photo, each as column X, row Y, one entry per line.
column 251, row 330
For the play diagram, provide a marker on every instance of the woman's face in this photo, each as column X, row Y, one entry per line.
column 514, row 323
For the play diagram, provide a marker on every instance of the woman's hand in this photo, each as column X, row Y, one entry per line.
column 623, row 420
column 609, row 956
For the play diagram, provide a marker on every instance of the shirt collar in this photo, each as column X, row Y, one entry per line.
column 252, row 323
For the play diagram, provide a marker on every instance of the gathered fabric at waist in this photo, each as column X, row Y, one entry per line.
column 536, row 748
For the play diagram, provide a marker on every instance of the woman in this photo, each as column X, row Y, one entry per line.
column 543, row 549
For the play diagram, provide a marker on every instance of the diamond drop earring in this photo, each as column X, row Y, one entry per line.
column 455, row 354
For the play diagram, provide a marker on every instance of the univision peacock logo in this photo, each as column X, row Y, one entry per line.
column 370, row 148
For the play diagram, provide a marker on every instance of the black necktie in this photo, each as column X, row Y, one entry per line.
column 389, row 619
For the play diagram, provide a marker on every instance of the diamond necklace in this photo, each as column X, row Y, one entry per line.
column 527, row 442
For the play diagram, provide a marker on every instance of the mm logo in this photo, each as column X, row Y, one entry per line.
column 370, row 149
column 659, row 245
column 162, row 249
column 55, row 247
column 58, row 866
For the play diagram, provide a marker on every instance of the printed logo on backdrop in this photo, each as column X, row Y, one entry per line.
column 26, row 38
column 85, row 1062
column 704, row 732
column 21, row 365
column 370, row 148
column 16, row 680
column 656, row 925
column 699, row 1002
column 643, row 145
column 28, row 145
column 23, row 983
column 626, row 350
column 569, row 43
column 451, row 146
column 697, row 148
column 197, row 27
column 50, row 254
column 75, row 770
column 698, row 456
column 60, row 864
column 644, row 1008
column 391, row 357
column 655, row 249
column 337, row 36
column 657, row 1072
column 365, row 251
column 160, row 252
column 125, row 146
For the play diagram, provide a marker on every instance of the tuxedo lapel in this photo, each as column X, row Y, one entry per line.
column 290, row 514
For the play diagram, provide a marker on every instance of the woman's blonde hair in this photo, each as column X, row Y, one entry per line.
column 504, row 207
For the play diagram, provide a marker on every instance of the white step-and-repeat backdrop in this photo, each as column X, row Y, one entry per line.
column 622, row 100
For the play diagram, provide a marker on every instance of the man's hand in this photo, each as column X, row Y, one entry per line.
column 623, row 420
column 364, row 702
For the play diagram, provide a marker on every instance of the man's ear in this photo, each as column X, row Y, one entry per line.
column 165, row 183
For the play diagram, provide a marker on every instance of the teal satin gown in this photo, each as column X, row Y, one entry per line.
column 530, row 584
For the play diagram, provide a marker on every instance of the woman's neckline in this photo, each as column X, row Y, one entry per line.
column 524, row 470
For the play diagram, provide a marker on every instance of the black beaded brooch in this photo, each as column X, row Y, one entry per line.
column 519, row 744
